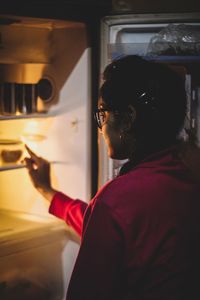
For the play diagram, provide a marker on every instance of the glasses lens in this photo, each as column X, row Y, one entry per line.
column 96, row 117
column 100, row 117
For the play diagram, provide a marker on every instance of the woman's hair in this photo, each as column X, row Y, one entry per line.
column 156, row 92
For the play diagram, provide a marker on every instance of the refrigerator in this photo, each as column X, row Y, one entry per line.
column 45, row 103
column 170, row 38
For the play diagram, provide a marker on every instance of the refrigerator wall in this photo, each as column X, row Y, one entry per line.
column 133, row 34
column 58, row 129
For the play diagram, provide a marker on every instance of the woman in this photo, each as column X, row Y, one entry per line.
column 140, row 233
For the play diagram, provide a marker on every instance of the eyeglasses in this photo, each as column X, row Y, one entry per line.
column 100, row 116
column 145, row 99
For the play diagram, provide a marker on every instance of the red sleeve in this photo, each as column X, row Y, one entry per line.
column 98, row 269
column 69, row 210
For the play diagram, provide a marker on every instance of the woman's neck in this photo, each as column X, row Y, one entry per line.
column 140, row 153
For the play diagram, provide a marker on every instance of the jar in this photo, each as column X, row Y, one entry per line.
column 11, row 151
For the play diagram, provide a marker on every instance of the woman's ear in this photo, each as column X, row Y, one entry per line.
column 132, row 113
column 129, row 118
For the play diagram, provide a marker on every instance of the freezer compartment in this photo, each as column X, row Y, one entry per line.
column 31, row 257
column 161, row 41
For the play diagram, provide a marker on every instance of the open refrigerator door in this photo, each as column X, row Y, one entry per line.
column 168, row 38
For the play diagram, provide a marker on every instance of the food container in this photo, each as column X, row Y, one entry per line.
column 11, row 151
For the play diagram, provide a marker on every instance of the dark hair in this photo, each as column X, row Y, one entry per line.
column 155, row 90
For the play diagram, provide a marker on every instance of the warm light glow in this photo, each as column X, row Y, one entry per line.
column 31, row 126
column 27, row 131
column 12, row 183
column 32, row 72
column 36, row 130
column 33, row 133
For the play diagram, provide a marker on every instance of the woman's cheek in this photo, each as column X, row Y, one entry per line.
column 107, row 139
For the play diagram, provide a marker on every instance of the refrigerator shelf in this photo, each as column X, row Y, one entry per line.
column 167, row 58
column 23, row 116
column 174, row 58
column 12, row 167
column 7, row 167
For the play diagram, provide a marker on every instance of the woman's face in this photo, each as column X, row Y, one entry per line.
column 112, row 131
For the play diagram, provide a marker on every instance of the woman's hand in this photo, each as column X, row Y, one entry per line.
column 39, row 171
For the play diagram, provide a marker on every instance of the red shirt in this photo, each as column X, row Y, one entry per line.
column 140, row 235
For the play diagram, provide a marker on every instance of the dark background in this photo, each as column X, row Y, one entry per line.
column 84, row 10
column 91, row 10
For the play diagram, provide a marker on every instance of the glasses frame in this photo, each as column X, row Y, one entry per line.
column 145, row 98
column 97, row 116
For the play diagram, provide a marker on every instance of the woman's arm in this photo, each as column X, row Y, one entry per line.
column 70, row 210
column 39, row 171
column 62, row 206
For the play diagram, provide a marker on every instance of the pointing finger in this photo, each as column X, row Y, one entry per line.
column 32, row 154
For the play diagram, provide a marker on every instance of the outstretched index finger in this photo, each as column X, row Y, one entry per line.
column 32, row 154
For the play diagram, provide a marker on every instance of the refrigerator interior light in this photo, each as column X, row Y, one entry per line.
column 32, row 137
